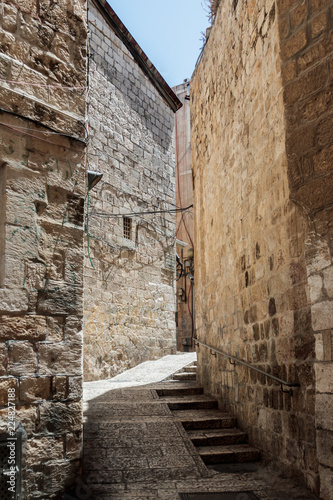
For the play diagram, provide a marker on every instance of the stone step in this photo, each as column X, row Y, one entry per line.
column 185, row 376
column 176, row 391
column 217, row 437
column 192, row 403
column 228, row 454
column 190, row 369
column 205, row 419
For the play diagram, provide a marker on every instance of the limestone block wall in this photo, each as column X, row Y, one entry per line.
column 42, row 187
column 252, row 292
column 306, row 34
column 129, row 281
column 43, row 50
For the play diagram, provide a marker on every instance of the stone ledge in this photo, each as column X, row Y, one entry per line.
column 30, row 107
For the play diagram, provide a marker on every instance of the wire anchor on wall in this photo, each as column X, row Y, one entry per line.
column 289, row 391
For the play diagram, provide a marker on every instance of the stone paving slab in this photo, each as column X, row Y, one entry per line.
column 135, row 448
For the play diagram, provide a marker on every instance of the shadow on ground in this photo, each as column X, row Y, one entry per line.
column 134, row 448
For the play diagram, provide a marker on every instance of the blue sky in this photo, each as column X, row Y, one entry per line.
column 169, row 32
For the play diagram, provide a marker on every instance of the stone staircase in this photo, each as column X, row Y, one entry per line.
column 215, row 434
column 187, row 373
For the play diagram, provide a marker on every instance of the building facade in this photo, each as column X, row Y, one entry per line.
column 42, row 182
column 184, row 221
column 262, row 157
column 130, row 260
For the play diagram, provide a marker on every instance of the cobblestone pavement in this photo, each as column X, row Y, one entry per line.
column 135, row 449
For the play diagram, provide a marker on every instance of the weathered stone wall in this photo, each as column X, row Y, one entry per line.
column 306, row 37
column 42, row 175
column 184, row 220
column 252, row 292
column 129, row 283
column 43, row 49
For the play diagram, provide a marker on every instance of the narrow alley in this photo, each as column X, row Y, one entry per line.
column 166, row 250
column 136, row 445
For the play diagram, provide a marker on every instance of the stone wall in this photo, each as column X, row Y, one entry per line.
column 129, row 281
column 306, row 38
column 253, row 297
column 42, row 175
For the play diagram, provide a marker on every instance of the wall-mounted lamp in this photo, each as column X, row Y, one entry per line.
column 93, row 179
column 190, row 253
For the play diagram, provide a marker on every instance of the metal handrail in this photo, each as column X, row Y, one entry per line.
column 233, row 360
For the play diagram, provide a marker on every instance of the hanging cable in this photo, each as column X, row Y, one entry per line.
column 49, row 142
column 21, row 130
column 171, row 210
column 12, row 82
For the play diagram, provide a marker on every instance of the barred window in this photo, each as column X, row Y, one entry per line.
column 127, row 227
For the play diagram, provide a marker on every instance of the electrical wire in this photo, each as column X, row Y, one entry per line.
column 118, row 248
column 172, row 210
column 141, row 246
column 131, row 194
column 35, row 131
column 172, row 236
column 44, row 140
column 188, row 212
column 22, row 130
column 29, row 84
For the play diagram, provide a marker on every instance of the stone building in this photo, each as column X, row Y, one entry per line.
column 128, row 273
column 42, row 182
column 129, row 276
column 184, row 220
column 261, row 109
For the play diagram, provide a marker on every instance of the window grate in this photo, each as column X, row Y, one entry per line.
column 5, row 450
column 127, row 226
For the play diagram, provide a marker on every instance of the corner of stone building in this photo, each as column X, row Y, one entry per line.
column 43, row 183
column 269, row 305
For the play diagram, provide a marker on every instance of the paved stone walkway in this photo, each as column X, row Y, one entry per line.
column 145, row 373
column 135, row 449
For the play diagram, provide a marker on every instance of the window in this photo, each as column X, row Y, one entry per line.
column 127, row 226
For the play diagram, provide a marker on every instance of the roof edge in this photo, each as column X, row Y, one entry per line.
column 139, row 55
